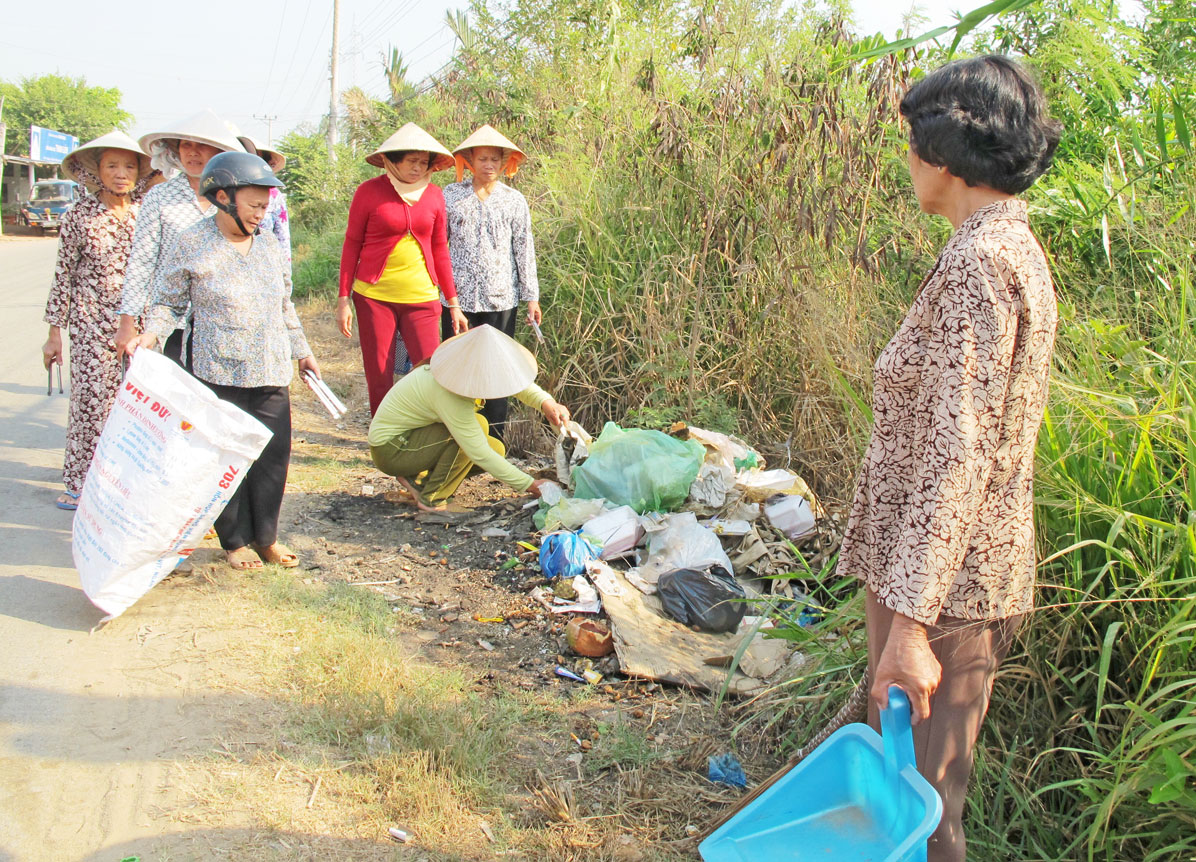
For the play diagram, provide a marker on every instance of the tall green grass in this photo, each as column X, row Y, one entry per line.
column 726, row 235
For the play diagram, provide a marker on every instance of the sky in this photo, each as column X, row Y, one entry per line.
column 249, row 61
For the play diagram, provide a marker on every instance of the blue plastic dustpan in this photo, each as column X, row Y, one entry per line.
column 855, row 798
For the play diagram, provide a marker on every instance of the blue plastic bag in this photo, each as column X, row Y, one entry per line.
column 646, row 470
column 565, row 554
column 726, row 769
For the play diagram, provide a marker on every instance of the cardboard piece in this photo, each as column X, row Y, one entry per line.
column 651, row 646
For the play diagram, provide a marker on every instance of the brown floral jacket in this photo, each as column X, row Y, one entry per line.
column 942, row 520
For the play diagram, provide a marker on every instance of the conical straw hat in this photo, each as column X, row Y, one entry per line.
column 273, row 158
column 488, row 136
column 412, row 137
column 87, row 156
column 483, row 363
column 203, row 128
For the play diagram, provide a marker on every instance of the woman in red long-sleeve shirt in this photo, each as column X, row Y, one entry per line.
column 395, row 260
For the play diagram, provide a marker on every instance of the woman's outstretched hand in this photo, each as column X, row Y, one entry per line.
column 344, row 316
column 907, row 661
column 556, row 413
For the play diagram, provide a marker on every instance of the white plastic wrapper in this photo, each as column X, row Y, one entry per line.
column 170, row 457
column 616, row 532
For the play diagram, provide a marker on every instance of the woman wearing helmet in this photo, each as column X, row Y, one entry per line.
column 245, row 332
column 167, row 211
column 277, row 221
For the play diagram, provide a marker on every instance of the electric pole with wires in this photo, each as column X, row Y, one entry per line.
column 332, row 113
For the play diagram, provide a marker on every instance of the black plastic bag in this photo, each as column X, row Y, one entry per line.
column 710, row 599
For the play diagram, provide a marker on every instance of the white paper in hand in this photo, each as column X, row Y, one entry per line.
column 170, row 457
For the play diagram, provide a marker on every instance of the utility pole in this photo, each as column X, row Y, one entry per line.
column 3, row 136
column 336, row 45
column 269, row 121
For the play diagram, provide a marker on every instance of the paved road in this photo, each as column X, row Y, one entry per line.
column 88, row 722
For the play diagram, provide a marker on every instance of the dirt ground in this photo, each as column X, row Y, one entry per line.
column 257, row 716
column 625, row 759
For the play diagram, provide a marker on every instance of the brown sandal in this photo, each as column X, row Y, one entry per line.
column 242, row 559
column 279, row 554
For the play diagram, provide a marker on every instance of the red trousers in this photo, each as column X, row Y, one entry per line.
column 419, row 325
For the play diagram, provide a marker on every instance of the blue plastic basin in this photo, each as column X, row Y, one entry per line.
column 850, row 800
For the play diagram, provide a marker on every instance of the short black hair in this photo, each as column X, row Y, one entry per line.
column 397, row 156
column 985, row 120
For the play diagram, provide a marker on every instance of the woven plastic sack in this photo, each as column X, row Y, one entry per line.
column 565, row 554
column 646, row 470
column 170, row 457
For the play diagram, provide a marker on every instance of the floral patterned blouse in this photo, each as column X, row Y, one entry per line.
column 491, row 247
column 942, row 521
column 277, row 223
column 167, row 210
column 245, row 329
column 93, row 246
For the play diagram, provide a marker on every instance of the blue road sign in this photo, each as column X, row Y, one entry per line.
column 47, row 145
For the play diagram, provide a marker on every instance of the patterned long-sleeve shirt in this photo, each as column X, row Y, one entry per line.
column 245, row 329
column 942, row 521
column 277, row 223
column 167, row 210
column 491, row 247
column 93, row 248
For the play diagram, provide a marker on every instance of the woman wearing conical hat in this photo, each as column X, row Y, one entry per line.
column 490, row 239
column 93, row 249
column 167, row 211
column 428, row 433
column 395, row 260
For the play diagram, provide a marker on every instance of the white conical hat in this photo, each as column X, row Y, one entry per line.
column 87, row 156
column 488, row 136
column 203, row 128
column 483, row 363
column 412, row 137
column 274, row 158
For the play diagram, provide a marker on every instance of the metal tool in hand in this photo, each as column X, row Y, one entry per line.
column 536, row 327
column 326, row 396
column 50, row 377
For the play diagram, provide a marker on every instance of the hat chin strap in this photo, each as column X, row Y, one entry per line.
column 231, row 209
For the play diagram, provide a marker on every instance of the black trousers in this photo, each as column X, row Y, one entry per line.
column 173, row 348
column 495, row 409
column 251, row 516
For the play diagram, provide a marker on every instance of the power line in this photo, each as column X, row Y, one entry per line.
column 314, row 89
column 274, row 55
column 298, row 41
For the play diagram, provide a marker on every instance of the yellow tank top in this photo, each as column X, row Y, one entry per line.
column 405, row 278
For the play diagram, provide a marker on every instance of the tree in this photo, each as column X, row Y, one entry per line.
column 64, row 104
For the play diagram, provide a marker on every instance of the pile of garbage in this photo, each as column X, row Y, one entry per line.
column 673, row 536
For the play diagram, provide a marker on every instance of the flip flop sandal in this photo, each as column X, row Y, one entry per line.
column 243, row 560
column 65, row 506
column 279, row 554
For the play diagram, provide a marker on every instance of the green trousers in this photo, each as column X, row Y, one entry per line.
column 430, row 459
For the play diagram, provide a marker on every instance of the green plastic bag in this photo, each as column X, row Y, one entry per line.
column 646, row 470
